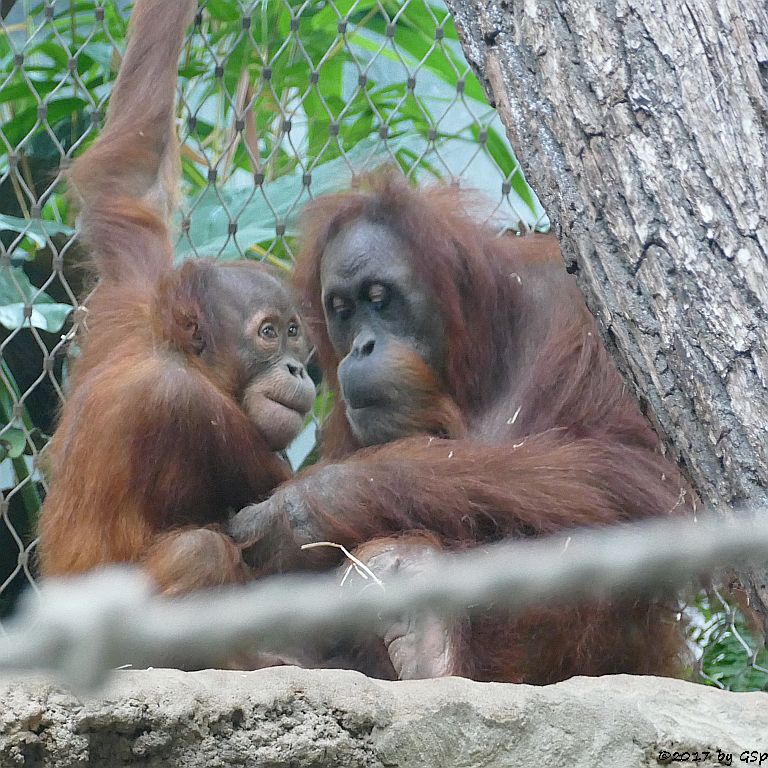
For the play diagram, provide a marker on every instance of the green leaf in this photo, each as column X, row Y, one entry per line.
column 100, row 53
column 302, row 445
column 502, row 155
column 327, row 19
column 209, row 229
column 37, row 230
column 17, row 294
column 21, row 92
column 48, row 316
column 25, row 121
column 13, row 442
column 415, row 45
column 224, row 10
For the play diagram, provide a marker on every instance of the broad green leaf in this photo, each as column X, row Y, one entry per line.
column 209, row 227
column 13, row 443
column 100, row 53
column 328, row 18
column 302, row 445
column 503, row 157
column 20, row 93
column 47, row 316
column 415, row 45
column 25, row 121
column 16, row 292
column 37, row 230
column 224, row 10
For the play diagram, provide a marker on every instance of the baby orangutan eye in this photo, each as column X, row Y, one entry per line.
column 268, row 331
column 293, row 330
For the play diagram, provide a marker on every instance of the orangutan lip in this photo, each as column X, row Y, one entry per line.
column 286, row 406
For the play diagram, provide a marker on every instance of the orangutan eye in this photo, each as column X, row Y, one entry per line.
column 268, row 331
column 293, row 330
column 378, row 296
column 340, row 307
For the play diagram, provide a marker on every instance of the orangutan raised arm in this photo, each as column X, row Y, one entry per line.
column 189, row 379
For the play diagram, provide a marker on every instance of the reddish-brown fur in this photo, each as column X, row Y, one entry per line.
column 149, row 439
column 553, row 440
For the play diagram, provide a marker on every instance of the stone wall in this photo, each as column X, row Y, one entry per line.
column 291, row 717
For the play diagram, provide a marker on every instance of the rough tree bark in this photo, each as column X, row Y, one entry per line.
column 642, row 125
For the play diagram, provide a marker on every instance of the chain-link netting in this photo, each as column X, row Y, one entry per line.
column 279, row 101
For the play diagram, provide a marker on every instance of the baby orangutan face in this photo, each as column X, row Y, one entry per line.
column 266, row 351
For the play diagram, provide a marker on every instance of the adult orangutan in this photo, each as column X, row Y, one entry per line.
column 475, row 402
column 189, row 379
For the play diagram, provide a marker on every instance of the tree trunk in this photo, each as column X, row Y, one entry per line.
column 642, row 125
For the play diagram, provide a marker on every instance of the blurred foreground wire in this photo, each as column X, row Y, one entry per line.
column 80, row 629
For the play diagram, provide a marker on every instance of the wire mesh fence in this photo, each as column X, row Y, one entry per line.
column 279, row 101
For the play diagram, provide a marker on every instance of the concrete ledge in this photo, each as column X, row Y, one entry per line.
column 292, row 717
